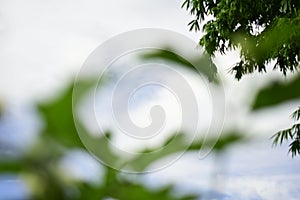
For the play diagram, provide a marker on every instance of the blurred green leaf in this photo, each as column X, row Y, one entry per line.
column 178, row 144
column 203, row 64
column 58, row 117
column 277, row 93
column 120, row 188
column 225, row 141
column 14, row 166
column 60, row 125
column 173, row 145
column 90, row 191
column 131, row 191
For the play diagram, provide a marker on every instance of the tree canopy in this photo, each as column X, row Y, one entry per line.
column 266, row 33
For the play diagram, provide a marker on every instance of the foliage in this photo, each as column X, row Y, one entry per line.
column 263, row 30
column 277, row 92
column 198, row 65
column 40, row 164
column 292, row 133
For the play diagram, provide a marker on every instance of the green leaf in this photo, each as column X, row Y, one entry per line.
column 203, row 64
column 58, row 116
column 225, row 141
column 178, row 144
column 14, row 166
column 175, row 144
column 129, row 191
column 296, row 114
column 263, row 31
column 277, row 93
column 295, row 147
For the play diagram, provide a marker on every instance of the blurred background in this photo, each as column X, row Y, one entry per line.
column 43, row 46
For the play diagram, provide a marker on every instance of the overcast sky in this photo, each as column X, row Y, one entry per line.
column 44, row 44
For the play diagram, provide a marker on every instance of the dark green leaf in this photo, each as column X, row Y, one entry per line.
column 277, row 93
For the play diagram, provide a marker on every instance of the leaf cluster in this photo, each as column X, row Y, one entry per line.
column 263, row 31
column 277, row 93
column 292, row 133
column 40, row 164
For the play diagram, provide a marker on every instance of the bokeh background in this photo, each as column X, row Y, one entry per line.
column 43, row 46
